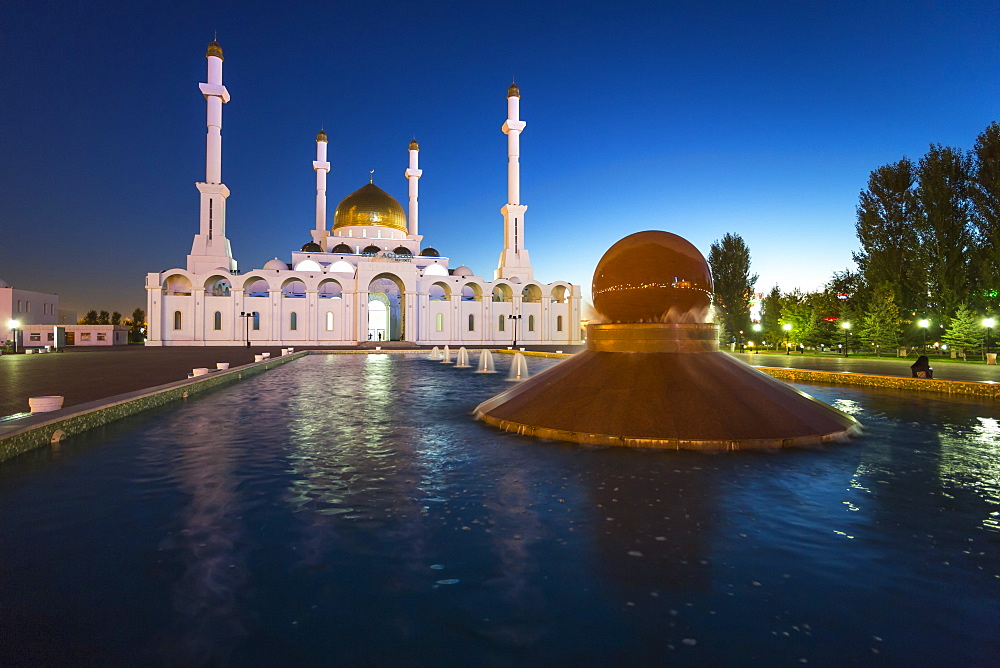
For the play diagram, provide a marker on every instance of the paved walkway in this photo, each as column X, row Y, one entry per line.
column 82, row 375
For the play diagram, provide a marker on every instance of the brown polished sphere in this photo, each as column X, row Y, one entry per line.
column 653, row 276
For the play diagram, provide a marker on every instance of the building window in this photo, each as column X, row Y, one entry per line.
column 177, row 319
column 218, row 320
column 52, row 337
column 329, row 321
column 85, row 336
column 558, row 323
column 36, row 336
column 27, row 306
column 472, row 323
column 293, row 321
column 18, row 305
column 256, row 320
column 102, row 336
column 531, row 323
column 501, row 320
column 440, row 322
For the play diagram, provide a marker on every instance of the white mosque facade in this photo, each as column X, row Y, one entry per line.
column 368, row 277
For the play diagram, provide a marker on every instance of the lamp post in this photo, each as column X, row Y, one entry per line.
column 246, row 317
column 787, row 327
column 988, row 324
column 13, row 324
column 924, row 324
column 847, row 331
column 515, row 318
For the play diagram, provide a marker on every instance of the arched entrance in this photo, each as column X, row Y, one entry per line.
column 385, row 309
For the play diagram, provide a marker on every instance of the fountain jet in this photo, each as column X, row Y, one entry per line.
column 446, row 356
column 486, row 364
column 462, row 361
column 653, row 376
column 518, row 368
column 435, row 354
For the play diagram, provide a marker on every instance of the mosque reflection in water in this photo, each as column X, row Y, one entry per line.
column 347, row 508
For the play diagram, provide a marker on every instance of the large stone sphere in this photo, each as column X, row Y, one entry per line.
column 653, row 276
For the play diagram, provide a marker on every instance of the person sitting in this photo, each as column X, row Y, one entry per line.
column 922, row 368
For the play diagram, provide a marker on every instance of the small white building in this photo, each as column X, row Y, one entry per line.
column 27, row 308
column 368, row 277
column 39, row 336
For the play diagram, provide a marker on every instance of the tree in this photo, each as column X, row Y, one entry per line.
column 137, row 326
column 985, row 196
column 104, row 318
column 881, row 323
column 90, row 319
column 964, row 331
column 770, row 317
column 943, row 225
column 729, row 261
column 116, row 318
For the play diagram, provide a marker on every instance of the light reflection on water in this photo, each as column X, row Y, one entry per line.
column 346, row 509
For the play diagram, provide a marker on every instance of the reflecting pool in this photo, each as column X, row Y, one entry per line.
column 346, row 509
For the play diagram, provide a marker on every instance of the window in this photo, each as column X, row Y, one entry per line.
column 531, row 323
column 85, row 336
column 36, row 336
column 558, row 323
column 440, row 322
column 293, row 321
column 472, row 323
column 329, row 321
column 27, row 306
column 18, row 305
column 500, row 322
column 256, row 320
column 52, row 337
column 218, row 320
column 177, row 319
column 102, row 336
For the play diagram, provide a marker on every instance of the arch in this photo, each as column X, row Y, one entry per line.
column 439, row 322
column 308, row 265
column 531, row 323
column 439, row 292
column 502, row 293
column 342, row 249
column 255, row 286
column 293, row 288
column 218, row 286
column 293, row 321
column 341, row 267
column 329, row 321
column 177, row 284
column 501, row 322
column 177, row 320
column 330, row 288
column 217, row 321
column 390, row 290
column 378, row 317
column 472, row 292
column 531, row 293
column 472, row 322
column 435, row 270
column 559, row 293
column 559, row 326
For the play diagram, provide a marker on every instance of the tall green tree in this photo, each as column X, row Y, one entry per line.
column 137, row 325
column 729, row 260
column 104, row 318
column 770, row 317
column 964, row 332
column 886, row 214
column 881, row 323
column 985, row 196
column 116, row 318
column 91, row 318
column 944, row 227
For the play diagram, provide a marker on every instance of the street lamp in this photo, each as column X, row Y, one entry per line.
column 515, row 318
column 247, row 317
column 13, row 324
column 787, row 327
column 924, row 324
column 847, row 331
column 988, row 324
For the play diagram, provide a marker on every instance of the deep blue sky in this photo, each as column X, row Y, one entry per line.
column 761, row 119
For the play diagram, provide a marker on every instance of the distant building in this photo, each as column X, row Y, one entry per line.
column 26, row 307
column 368, row 278
column 39, row 336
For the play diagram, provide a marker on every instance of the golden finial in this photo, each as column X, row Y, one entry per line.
column 321, row 136
column 513, row 91
column 414, row 146
column 371, row 176
column 214, row 49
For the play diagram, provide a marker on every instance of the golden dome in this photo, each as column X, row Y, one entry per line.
column 414, row 146
column 513, row 91
column 214, row 49
column 370, row 205
column 321, row 136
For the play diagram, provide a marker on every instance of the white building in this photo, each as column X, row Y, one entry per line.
column 368, row 278
column 26, row 308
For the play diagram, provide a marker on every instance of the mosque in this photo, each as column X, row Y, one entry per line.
column 368, row 278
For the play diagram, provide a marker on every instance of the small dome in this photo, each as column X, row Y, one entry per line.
column 430, row 252
column 513, row 91
column 371, row 250
column 214, row 49
column 403, row 250
column 369, row 205
column 342, row 249
column 414, row 146
column 321, row 136
column 513, row 279
column 275, row 264
column 312, row 247
column 462, row 271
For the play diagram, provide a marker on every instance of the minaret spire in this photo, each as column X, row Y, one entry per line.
column 322, row 167
column 413, row 176
column 211, row 248
column 514, row 260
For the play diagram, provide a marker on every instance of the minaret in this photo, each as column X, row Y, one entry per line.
column 413, row 176
column 211, row 249
column 322, row 167
column 514, row 260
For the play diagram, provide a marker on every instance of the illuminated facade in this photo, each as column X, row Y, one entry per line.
column 369, row 277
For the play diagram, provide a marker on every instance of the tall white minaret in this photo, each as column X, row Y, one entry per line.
column 514, row 260
column 413, row 176
column 211, row 249
column 322, row 167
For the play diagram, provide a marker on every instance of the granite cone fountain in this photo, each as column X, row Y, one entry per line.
column 653, row 376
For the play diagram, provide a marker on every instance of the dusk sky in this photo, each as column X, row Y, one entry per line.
column 760, row 119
